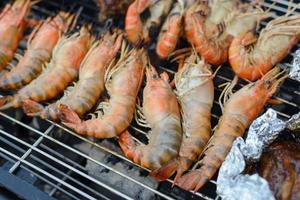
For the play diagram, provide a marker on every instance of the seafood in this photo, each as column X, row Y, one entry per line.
column 12, row 25
column 211, row 36
column 170, row 32
column 195, row 92
column 109, row 8
column 251, row 57
column 39, row 50
column 211, row 15
column 162, row 113
column 139, row 31
column 133, row 21
column 90, row 86
column 61, row 71
column 122, row 83
column 158, row 11
column 238, row 113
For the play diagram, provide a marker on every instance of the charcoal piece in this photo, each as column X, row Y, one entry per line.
column 114, row 180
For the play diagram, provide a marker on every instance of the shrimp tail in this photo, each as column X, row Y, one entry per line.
column 6, row 102
column 194, row 179
column 166, row 171
column 127, row 144
column 68, row 117
column 179, row 172
column 32, row 108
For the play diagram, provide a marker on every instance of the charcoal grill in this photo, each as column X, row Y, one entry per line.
column 43, row 160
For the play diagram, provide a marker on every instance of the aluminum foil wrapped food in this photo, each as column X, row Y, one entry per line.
column 231, row 183
column 295, row 69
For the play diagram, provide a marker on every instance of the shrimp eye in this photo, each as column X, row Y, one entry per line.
column 155, row 76
column 268, row 82
column 201, row 13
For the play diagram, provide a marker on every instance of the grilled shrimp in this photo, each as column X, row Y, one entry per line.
column 170, row 31
column 12, row 24
column 195, row 92
column 90, row 86
column 212, row 40
column 61, row 71
column 251, row 57
column 212, row 13
column 123, row 87
column 138, row 31
column 163, row 116
column 133, row 21
column 158, row 11
column 39, row 50
column 238, row 113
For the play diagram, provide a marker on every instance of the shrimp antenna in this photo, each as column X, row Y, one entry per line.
column 217, row 70
column 179, row 54
column 92, row 48
column 227, row 92
column 139, row 115
column 35, row 2
column 114, row 67
column 73, row 24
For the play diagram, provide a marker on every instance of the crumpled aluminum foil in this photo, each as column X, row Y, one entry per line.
column 295, row 69
column 294, row 122
column 231, row 184
column 263, row 131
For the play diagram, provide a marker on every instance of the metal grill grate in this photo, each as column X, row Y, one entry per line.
column 47, row 156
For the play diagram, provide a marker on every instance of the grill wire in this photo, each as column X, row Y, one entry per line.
column 48, row 151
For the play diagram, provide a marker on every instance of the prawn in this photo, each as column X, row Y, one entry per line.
column 170, row 31
column 195, row 92
column 122, row 83
column 251, row 57
column 133, row 21
column 61, row 71
column 212, row 41
column 238, row 113
column 139, row 31
column 39, row 49
column 211, row 13
column 162, row 113
column 12, row 25
column 90, row 86
column 159, row 10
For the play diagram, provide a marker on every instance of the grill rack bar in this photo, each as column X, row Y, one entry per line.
column 27, row 153
column 77, row 152
column 135, row 128
column 56, row 187
column 38, row 176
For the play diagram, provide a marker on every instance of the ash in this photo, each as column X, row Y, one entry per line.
column 114, row 180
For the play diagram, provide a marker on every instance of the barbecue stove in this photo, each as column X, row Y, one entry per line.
column 43, row 160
